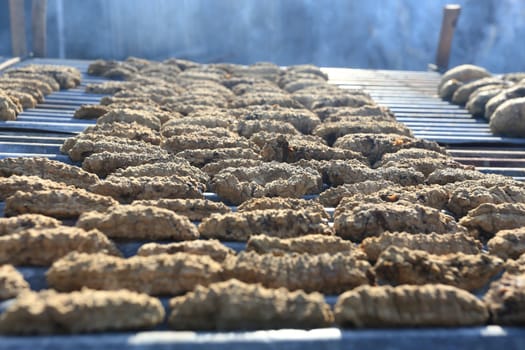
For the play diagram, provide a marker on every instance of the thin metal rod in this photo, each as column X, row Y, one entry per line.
column 450, row 19
column 18, row 29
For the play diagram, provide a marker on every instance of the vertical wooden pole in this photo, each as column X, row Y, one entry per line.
column 38, row 27
column 17, row 26
column 450, row 19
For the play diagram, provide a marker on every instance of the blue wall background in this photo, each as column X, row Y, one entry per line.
column 391, row 34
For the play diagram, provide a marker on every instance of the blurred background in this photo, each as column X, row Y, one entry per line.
column 377, row 34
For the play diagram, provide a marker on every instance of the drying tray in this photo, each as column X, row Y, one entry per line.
column 412, row 98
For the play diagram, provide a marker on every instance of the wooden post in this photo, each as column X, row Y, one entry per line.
column 17, row 26
column 450, row 19
column 38, row 27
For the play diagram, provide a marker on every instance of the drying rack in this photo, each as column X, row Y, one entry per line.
column 412, row 98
